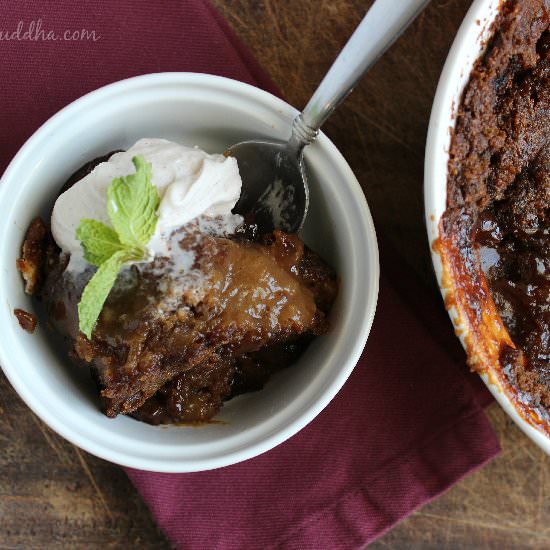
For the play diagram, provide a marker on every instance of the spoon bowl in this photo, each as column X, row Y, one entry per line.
column 280, row 202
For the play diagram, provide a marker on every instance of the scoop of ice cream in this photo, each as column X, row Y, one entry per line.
column 190, row 183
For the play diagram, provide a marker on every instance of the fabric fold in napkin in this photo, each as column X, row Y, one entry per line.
column 408, row 423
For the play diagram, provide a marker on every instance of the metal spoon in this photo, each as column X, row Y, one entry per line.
column 275, row 191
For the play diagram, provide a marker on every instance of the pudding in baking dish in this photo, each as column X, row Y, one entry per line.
column 495, row 232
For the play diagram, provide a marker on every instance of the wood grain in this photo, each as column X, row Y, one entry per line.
column 53, row 495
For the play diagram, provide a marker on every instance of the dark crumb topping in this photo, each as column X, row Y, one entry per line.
column 27, row 321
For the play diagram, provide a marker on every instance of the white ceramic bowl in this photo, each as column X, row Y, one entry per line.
column 467, row 47
column 213, row 113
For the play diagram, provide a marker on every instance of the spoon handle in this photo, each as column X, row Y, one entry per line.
column 381, row 26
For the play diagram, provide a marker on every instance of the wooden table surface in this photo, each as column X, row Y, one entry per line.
column 52, row 495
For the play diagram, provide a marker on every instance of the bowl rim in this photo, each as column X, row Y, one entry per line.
column 305, row 414
column 467, row 46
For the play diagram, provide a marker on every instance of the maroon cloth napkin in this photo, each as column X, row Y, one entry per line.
column 409, row 422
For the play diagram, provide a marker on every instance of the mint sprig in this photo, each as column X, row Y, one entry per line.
column 132, row 204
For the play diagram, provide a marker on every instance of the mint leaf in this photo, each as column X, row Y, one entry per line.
column 97, row 290
column 132, row 203
column 99, row 241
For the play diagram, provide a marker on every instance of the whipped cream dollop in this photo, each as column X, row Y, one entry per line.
column 190, row 182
